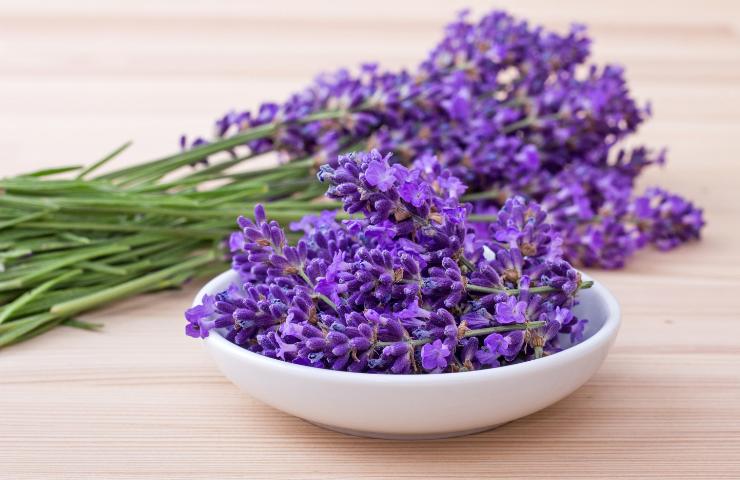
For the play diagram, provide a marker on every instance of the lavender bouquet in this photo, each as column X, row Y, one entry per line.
column 509, row 110
column 405, row 286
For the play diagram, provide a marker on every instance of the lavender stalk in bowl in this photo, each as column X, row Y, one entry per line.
column 405, row 286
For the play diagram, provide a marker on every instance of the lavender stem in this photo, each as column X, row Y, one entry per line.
column 516, row 291
column 471, row 333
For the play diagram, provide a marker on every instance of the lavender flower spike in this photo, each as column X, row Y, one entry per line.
column 391, row 291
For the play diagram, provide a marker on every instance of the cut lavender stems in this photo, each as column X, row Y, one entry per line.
column 511, row 110
column 404, row 286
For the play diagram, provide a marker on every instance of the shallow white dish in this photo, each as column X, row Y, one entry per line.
column 420, row 406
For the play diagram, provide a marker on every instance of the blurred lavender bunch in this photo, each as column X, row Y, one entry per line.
column 404, row 286
column 511, row 110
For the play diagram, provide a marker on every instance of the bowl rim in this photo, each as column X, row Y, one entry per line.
column 600, row 339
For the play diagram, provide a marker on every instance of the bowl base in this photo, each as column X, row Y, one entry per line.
column 406, row 436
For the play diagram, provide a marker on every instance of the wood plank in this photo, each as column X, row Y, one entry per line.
column 140, row 400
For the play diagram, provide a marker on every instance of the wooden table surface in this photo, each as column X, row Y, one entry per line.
column 140, row 400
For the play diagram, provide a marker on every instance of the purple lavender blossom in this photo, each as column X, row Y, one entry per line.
column 666, row 219
column 497, row 345
column 392, row 290
column 199, row 317
column 511, row 311
column 434, row 356
column 380, row 174
column 510, row 109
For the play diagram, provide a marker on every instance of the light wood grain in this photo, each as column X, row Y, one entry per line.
column 140, row 400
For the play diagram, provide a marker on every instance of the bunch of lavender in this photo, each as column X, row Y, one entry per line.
column 511, row 110
column 404, row 286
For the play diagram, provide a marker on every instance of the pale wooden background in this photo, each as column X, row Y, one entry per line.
column 140, row 400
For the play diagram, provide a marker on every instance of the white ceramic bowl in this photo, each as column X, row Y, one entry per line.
column 420, row 406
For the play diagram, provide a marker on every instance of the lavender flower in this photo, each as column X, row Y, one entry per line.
column 445, row 283
column 510, row 109
column 512, row 310
column 667, row 220
column 497, row 345
column 392, row 290
column 434, row 356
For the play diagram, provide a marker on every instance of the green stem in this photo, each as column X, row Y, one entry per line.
column 165, row 165
column 187, row 157
column 52, row 171
column 467, row 263
column 58, row 295
column 101, row 267
column 132, row 287
column 527, row 122
column 23, row 281
column 211, row 170
column 515, row 291
column 524, row 122
column 75, row 238
column 472, row 333
column 23, row 219
column 29, row 327
column 179, row 231
column 82, row 325
column 17, row 253
column 32, row 295
column 103, row 160
column 482, row 218
column 323, row 297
